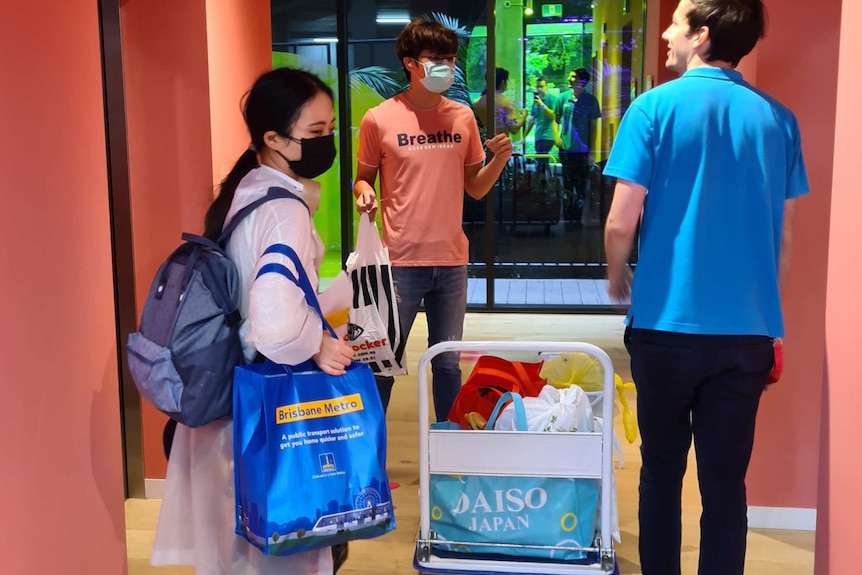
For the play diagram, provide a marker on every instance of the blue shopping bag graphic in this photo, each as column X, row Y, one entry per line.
column 310, row 457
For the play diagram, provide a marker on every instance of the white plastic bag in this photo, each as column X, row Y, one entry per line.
column 553, row 410
column 557, row 410
column 373, row 329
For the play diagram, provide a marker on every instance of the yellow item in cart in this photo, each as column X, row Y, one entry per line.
column 630, row 422
column 573, row 368
column 475, row 420
column 585, row 371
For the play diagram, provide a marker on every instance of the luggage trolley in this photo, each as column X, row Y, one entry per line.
column 461, row 452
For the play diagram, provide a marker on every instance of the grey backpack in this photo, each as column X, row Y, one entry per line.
column 183, row 357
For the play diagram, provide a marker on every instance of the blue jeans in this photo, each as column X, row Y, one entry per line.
column 444, row 290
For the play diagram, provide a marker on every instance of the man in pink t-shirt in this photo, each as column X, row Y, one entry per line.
column 428, row 151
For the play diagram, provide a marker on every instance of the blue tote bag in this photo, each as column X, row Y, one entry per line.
column 514, row 511
column 309, row 452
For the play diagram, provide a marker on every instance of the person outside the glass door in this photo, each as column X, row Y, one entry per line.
column 507, row 118
column 544, row 119
column 428, row 151
column 711, row 168
column 577, row 111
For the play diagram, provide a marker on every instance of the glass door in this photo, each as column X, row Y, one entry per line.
column 564, row 74
column 305, row 35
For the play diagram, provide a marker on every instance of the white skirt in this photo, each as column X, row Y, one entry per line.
column 197, row 517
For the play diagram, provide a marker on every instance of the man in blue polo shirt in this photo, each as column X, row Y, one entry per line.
column 711, row 168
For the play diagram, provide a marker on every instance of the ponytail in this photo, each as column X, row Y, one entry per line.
column 217, row 213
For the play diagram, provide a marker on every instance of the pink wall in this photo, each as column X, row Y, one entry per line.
column 185, row 129
column 62, row 479
column 783, row 472
column 748, row 67
column 840, row 500
column 170, row 162
column 240, row 49
column 658, row 17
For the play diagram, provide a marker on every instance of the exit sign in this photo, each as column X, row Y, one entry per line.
column 552, row 10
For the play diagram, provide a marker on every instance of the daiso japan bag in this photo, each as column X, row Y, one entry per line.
column 513, row 516
column 373, row 329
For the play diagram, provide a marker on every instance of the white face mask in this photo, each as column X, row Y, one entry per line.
column 438, row 76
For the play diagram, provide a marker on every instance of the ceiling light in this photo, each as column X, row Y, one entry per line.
column 393, row 20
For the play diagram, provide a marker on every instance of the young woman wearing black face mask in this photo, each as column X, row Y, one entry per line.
column 289, row 114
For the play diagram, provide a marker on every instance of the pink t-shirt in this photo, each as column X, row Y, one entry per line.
column 420, row 155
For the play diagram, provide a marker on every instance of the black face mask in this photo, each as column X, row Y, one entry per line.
column 317, row 156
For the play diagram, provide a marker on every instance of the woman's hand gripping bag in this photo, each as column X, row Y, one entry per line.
column 374, row 329
column 309, row 457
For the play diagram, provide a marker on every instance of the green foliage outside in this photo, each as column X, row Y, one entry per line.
column 554, row 57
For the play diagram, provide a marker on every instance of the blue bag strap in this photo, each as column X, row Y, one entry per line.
column 272, row 193
column 290, row 253
column 190, row 268
column 194, row 252
column 517, row 404
column 192, row 247
column 202, row 241
column 302, row 281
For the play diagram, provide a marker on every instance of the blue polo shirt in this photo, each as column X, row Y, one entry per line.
column 718, row 159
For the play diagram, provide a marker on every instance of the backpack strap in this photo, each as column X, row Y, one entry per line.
column 193, row 253
column 303, row 282
column 201, row 241
column 272, row 193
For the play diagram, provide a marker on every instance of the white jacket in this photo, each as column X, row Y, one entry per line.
column 198, row 508
column 278, row 321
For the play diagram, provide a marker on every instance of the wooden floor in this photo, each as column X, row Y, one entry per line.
column 553, row 292
column 769, row 552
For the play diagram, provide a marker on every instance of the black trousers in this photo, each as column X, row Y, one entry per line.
column 384, row 388
column 576, row 173
column 707, row 387
column 543, row 147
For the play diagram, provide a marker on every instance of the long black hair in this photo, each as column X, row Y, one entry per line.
column 273, row 104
